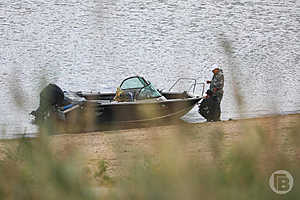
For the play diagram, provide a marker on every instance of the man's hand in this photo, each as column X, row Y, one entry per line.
column 34, row 113
column 208, row 82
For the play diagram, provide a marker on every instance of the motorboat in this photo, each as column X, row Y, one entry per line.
column 136, row 100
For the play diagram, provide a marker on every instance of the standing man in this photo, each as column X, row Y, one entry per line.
column 216, row 86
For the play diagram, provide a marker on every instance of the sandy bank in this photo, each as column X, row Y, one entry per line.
column 117, row 147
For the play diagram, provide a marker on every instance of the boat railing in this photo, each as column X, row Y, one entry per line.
column 192, row 86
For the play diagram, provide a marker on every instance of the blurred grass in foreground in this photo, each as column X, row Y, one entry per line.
column 30, row 170
column 240, row 172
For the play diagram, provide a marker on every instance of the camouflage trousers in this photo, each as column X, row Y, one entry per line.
column 219, row 97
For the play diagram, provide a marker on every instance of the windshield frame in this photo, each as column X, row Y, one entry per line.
column 143, row 81
column 152, row 97
column 139, row 89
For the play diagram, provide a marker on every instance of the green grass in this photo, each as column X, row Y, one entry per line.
column 30, row 170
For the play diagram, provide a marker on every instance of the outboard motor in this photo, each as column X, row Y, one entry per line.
column 52, row 95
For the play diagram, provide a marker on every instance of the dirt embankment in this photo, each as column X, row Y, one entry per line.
column 196, row 140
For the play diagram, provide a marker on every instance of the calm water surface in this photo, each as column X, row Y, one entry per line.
column 92, row 45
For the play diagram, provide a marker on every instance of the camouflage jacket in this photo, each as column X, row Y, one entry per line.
column 217, row 82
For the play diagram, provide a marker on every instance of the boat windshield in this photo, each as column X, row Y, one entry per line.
column 148, row 92
column 139, row 88
column 134, row 83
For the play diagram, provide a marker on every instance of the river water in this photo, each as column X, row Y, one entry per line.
column 92, row 45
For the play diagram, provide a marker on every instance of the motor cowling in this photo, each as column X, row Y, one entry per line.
column 50, row 96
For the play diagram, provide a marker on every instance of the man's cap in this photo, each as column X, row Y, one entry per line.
column 217, row 68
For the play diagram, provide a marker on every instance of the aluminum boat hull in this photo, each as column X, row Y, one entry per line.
column 100, row 109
